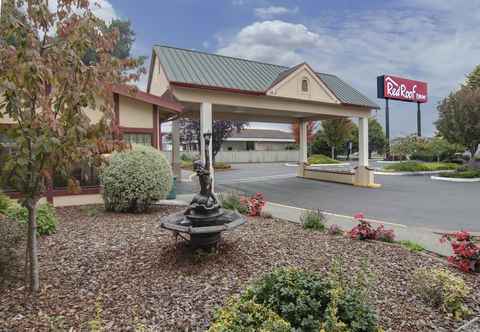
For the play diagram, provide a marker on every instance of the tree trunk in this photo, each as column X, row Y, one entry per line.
column 32, row 251
column 333, row 152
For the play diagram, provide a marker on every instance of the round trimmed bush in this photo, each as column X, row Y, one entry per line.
column 134, row 179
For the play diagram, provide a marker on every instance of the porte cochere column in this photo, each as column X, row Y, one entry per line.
column 302, row 147
column 206, row 121
column 364, row 176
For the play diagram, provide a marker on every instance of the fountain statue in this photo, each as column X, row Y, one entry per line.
column 204, row 220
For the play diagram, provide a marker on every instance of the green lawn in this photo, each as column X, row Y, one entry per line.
column 413, row 166
column 321, row 159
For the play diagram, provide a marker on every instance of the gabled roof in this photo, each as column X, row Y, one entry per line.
column 263, row 134
column 166, row 101
column 199, row 69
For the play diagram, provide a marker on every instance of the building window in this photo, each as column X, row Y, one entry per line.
column 250, row 146
column 304, row 85
column 138, row 138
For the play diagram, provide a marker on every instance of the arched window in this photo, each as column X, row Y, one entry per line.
column 304, row 85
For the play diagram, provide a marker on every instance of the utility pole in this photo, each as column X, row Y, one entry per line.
column 419, row 121
column 387, row 127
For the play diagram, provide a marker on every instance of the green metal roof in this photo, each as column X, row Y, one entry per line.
column 218, row 71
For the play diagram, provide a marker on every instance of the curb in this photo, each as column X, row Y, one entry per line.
column 412, row 173
column 458, row 180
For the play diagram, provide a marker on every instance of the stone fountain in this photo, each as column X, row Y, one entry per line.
column 204, row 220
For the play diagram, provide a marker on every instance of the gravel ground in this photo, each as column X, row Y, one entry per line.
column 125, row 272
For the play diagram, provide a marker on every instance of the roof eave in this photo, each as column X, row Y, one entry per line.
column 215, row 88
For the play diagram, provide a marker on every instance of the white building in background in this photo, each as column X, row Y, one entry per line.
column 259, row 140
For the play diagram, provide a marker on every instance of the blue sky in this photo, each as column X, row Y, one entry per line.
column 431, row 40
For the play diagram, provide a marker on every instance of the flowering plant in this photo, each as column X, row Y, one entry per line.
column 335, row 230
column 365, row 231
column 255, row 204
column 466, row 253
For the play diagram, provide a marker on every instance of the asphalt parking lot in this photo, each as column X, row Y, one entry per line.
column 407, row 200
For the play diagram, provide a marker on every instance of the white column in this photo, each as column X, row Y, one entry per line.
column 206, row 120
column 363, row 142
column 177, row 171
column 303, row 157
column 302, row 145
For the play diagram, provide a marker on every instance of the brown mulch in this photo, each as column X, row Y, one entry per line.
column 125, row 272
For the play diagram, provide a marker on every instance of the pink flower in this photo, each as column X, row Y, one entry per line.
column 359, row 216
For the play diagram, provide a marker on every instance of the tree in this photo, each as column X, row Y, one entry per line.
column 406, row 146
column 122, row 49
column 46, row 88
column 336, row 132
column 473, row 79
column 190, row 132
column 459, row 118
column 311, row 128
column 377, row 140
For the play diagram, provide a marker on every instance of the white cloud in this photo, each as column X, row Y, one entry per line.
column 274, row 41
column 274, row 11
column 101, row 8
column 104, row 10
column 431, row 40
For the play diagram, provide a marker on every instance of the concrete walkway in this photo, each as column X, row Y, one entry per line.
column 425, row 237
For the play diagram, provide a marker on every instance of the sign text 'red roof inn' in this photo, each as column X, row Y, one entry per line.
column 392, row 87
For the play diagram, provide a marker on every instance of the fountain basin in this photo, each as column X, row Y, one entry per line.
column 206, row 232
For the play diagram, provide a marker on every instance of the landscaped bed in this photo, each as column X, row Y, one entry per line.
column 413, row 166
column 123, row 271
column 320, row 159
column 465, row 173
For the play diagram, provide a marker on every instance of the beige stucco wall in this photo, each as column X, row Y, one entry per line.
column 94, row 114
column 329, row 176
column 159, row 83
column 266, row 108
column 291, row 87
column 135, row 114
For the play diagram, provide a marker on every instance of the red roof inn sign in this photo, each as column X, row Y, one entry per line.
column 402, row 89
column 392, row 87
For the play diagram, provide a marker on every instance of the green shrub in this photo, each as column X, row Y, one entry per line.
column 219, row 165
column 412, row 246
column 305, row 301
column 462, row 173
column 46, row 217
column 442, row 289
column 314, row 220
column 321, row 159
column 135, row 179
column 233, row 201
column 5, row 202
column 298, row 297
column 12, row 235
column 248, row 316
column 413, row 166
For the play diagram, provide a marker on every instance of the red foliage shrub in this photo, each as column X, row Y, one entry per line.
column 365, row 231
column 255, row 204
column 466, row 253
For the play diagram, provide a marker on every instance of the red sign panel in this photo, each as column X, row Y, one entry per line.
column 393, row 87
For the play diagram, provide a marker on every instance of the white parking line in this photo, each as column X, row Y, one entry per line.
column 261, row 178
